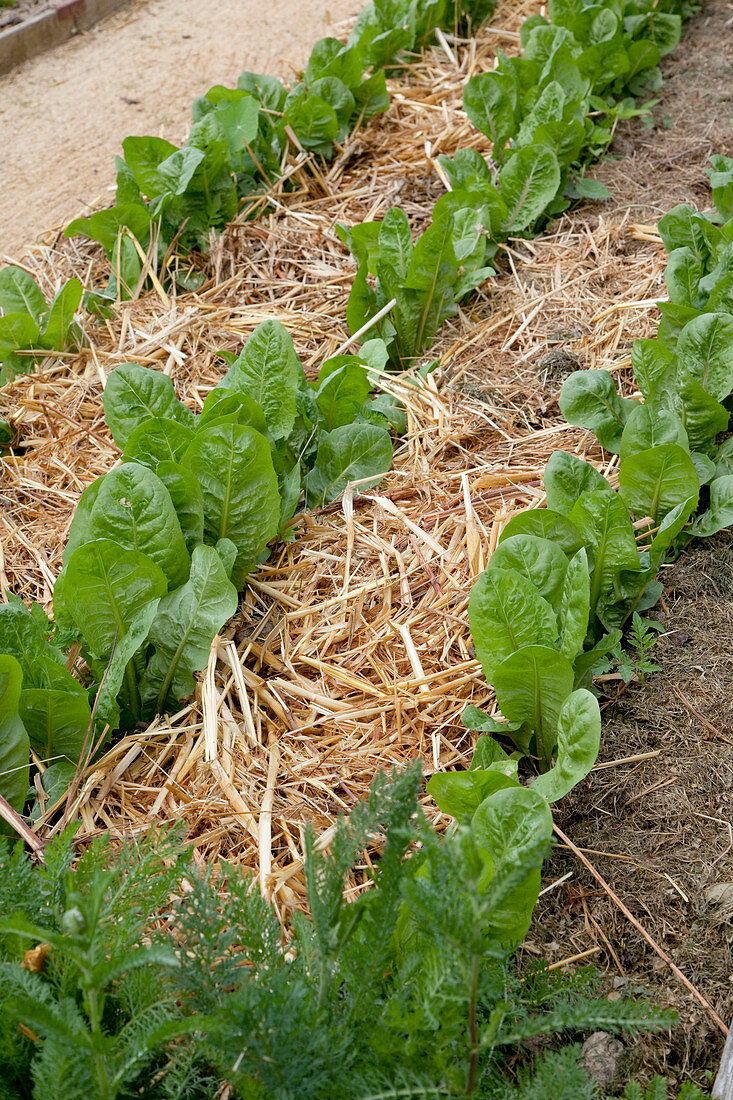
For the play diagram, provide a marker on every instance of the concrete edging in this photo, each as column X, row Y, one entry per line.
column 64, row 19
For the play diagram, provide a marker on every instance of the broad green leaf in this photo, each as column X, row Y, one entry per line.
column 105, row 588
column 14, row 744
column 56, row 722
column 506, row 613
column 514, row 826
column 545, row 524
column 702, row 415
column 528, row 183
column 649, row 426
column 187, row 499
column 352, row 453
column 490, row 102
column 239, row 122
column 705, row 468
column 314, row 122
column 541, row 561
column 185, row 626
column 236, row 408
column 234, row 467
column 486, row 751
column 227, row 551
column 105, row 226
column 143, row 156
column 721, row 182
column 107, row 709
column 268, row 371
column 682, row 276
column 684, row 227
column 56, row 326
column 578, row 741
column 330, row 57
column 157, row 440
column 719, row 514
column 18, row 332
column 267, row 89
column 334, row 92
column 57, row 779
column 392, row 409
column 134, row 394
column 395, row 242
column 343, row 387
column 467, row 170
column 589, row 400
column 574, row 610
column 605, row 527
column 705, row 349
column 670, row 527
column 567, row 478
column 133, row 508
column 428, row 288
column 531, row 686
column 654, row 365
column 290, row 487
column 178, row 170
column 20, row 293
column 461, row 793
column 654, row 481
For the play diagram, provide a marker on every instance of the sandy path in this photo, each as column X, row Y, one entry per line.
column 63, row 115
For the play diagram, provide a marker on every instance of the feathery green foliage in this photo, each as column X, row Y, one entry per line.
column 407, row 990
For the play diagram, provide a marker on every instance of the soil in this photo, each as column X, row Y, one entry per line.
column 63, row 115
column 659, row 829
column 20, row 11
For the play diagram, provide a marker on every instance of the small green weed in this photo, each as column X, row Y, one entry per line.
column 633, row 660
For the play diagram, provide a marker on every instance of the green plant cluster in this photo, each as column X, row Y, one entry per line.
column 29, row 327
column 170, row 199
column 672, row 454
column 566, row 579
column 160, row 546
column 548, row 112
column 409, row 990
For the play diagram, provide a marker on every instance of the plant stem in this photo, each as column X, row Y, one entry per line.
column 132, row 689
column 472, row 1030
column 93, row 1009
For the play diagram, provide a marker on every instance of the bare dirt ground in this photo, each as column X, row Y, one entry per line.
column 63, row 115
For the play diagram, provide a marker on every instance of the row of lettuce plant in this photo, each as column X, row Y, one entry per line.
column 160, row 546
column 549, row 113
column 169, row 200
column 565, row 579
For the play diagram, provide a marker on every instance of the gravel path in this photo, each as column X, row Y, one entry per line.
column 63, row 115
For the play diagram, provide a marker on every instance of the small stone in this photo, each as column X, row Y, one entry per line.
column 601, row 1056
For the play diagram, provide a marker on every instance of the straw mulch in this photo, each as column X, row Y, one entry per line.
column 351, row 651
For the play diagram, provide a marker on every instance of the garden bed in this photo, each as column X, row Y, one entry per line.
column 351, row 650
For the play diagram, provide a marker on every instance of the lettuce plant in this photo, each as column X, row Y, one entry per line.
column 29, row 327
column 160, row 546
column 670, row 445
